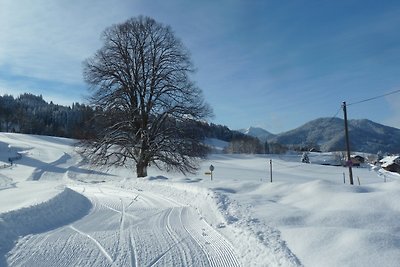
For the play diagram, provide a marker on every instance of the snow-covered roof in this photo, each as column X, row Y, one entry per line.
column 388, row 160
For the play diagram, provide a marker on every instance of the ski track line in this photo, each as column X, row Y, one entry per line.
column 176, row 241
column 122, row 233
column 101, row 248
column 210, row 260
column 184, row 247
column 122, row 222
column 145, row 232
column 65, row 246
column 208, row 257
column 225, row 255
column 160, row 256
column 133, row 251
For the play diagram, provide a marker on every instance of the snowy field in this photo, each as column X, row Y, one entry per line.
column 57, row 211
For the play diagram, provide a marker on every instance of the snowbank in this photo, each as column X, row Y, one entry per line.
column 64, row 208
column 334, row 225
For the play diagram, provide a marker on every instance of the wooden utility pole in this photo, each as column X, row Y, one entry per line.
column 346, row 129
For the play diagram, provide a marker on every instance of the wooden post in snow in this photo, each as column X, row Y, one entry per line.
column 270, row 169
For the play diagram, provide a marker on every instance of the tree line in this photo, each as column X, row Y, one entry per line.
column 31, row 114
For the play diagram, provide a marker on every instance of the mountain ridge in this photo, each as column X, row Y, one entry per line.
column 258, row 132
column 327, row 134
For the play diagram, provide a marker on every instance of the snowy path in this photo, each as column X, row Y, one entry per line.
column 127, row 228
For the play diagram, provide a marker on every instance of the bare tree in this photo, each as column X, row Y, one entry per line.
column 146, row 101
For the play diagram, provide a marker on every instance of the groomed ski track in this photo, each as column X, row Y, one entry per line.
column 127, row 228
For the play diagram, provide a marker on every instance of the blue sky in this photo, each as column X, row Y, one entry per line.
column 272, row 64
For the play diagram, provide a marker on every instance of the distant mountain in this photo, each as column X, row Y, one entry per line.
column 328, row 135
column 258, row 132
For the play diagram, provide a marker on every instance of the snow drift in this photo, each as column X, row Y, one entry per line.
column 63, row 209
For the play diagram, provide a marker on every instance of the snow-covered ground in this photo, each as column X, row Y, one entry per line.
column 57, row 211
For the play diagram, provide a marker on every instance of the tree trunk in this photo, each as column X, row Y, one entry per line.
column 141, row 169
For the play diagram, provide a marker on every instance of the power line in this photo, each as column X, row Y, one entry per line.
column 375, row 97
column 335, row 116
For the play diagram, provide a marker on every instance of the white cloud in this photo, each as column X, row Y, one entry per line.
column 48, row 40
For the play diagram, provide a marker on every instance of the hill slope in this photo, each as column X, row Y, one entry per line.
column 328, row 134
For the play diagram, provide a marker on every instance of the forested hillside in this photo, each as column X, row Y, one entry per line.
column 31, row 114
